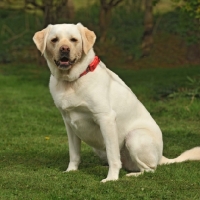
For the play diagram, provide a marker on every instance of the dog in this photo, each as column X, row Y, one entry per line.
column 98, row 107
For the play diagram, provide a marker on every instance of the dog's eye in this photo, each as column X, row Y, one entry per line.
column 54, row 40
column 73, row 40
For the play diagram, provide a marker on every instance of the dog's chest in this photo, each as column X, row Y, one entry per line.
column 84, row 126
column 77, row 115
column 64, row 96
column 65, row 101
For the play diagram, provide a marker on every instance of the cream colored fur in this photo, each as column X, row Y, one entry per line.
column 99, row 108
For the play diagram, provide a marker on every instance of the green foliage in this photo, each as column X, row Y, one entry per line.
column 191, row 89
column 88, row 16
column 187, row 21
column 17, row 29
column 155, row 2
column 127, row 30
column 34, row 149
column 192, row 7
column 181, row 23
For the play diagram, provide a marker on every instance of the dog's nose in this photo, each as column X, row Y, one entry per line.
column 64, row 49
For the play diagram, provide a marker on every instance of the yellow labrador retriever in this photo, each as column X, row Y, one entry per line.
column 97, row 107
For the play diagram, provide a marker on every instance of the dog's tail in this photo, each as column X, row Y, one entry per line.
column 192, row 154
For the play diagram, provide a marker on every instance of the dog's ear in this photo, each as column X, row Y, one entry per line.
column 88, row 37
column 40, row 39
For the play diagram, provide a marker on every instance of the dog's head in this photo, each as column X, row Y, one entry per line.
column 64, row 44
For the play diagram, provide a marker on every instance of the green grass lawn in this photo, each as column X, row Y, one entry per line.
column 34, row 148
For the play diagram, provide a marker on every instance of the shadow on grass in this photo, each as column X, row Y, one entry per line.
column 41, row 159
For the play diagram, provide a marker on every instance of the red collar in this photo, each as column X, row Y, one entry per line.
column 92, row 66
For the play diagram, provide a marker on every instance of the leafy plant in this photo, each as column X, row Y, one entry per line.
column 190, row 88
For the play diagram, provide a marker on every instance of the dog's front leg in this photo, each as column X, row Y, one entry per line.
column 74, row 149
column 109, row 131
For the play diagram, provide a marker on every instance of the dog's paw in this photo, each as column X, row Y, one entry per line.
column 66, row 171
column 108, row 179
column 73, row 166
column 69, row 169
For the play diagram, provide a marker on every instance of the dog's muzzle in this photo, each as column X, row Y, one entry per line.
column 64, row 61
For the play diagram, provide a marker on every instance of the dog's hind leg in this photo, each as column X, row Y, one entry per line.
column 145, row 150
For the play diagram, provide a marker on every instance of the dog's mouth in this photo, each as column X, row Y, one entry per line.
column 64, row 63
